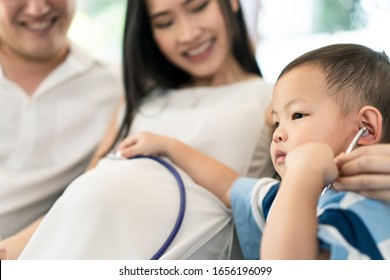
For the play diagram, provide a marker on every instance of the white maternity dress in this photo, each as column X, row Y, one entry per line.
column 125, row 209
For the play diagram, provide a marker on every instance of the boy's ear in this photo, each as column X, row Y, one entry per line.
column 371, row 118
column 235, row 5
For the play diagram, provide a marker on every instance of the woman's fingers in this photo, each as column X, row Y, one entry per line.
column 365, row 151
column 365, row 170
column 369, row 164
column 128, row 141
column 363, row 182
column 380, row 195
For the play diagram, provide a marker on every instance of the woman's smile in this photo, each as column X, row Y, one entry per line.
column 201, row 52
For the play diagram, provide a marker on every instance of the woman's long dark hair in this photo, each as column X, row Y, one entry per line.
column 145, row 67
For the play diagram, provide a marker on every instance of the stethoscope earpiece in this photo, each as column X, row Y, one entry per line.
column 365, row 131
column 362, row 132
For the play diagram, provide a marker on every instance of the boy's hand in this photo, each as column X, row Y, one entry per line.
column 313, row 158
column 144, row 143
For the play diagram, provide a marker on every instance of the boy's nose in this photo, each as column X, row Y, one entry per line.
column 279, row 135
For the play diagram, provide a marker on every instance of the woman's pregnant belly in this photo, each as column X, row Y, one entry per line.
column 125, row 209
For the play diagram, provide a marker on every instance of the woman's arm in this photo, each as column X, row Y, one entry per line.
column 365, row 170
column 291, row 229
column 207, row 172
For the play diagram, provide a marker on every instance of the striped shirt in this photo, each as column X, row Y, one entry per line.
column 350, row 226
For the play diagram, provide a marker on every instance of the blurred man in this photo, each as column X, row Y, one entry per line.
column 55, row 102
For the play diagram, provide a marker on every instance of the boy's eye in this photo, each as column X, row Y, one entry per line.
column 297, row 116
column 275, row 126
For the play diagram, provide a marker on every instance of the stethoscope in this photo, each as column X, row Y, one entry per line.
column 182, row 205
column 349, row 149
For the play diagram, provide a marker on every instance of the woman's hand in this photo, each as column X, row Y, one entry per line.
column 144, row 143
column 365, row 170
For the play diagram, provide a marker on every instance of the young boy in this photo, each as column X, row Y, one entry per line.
column 320, row 101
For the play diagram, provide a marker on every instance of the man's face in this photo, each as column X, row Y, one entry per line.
column 35, row 29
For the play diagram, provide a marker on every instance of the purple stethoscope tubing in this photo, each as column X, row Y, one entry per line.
column 182, row 206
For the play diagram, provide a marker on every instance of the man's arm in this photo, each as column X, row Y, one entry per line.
column 15, row 244
column 108, row 138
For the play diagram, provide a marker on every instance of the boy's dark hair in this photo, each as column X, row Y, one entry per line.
column 356, row 76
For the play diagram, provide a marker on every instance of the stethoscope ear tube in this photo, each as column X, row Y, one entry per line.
column 182, row 206
column 349, row 149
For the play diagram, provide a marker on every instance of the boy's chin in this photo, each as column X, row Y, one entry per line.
column 281, row 171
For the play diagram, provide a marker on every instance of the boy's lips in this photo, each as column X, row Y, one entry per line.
column 279, row 156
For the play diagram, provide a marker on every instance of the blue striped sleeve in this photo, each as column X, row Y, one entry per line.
column 354, row 227
column 248, row 198
column 248, row 232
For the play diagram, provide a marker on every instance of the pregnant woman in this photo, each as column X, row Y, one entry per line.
column 189, row 73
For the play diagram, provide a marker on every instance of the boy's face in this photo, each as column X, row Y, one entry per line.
column 35, row 29
column 303, row 112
